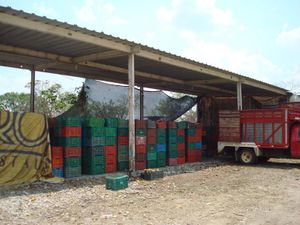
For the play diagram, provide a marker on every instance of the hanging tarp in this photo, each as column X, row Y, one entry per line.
column 24, row 147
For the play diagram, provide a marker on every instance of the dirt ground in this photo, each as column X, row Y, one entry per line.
column 225, row 194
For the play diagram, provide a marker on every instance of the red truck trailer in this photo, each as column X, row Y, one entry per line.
column 260, row 134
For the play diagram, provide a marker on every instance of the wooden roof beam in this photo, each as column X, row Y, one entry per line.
column 210, row 81
column 99, row 56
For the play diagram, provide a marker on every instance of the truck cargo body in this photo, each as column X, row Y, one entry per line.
column 268, row 132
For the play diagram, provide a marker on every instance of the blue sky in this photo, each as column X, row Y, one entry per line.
column 259, row 39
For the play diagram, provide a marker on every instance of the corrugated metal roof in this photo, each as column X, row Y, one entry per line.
column 55, row 44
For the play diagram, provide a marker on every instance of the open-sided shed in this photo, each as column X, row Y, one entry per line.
column 36, row 43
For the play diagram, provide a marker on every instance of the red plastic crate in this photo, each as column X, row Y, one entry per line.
column 151, row 140
column 70, row 131
column 161, row 124
column 181, row 160
column 171, row 124
column 110, row 148
column 140, row 165
column 110, row 168
column 141, row 149
column 191, row 139
column 180, row 146
column 140, row 140
column 151, row 132
column 180, row 132
column 123, row 140
column 172, row 161
column 181, row 153
column 140, row 123
column 198, row 132
column 194, row 156
column 57, row 156
column 140, row 157
column 72, row 152
column 110, row 160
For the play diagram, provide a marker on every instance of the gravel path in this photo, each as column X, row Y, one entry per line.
column 224, row 194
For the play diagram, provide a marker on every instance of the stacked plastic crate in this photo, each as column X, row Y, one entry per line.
column 110, row 149
column 93, row 142
column 69, row 130
column 152, row 153
column 161, row 143
column 193, row 144
column 123, row 141
column 140, row 144
column 57, row 154
column 172, row 150
column 181, row 145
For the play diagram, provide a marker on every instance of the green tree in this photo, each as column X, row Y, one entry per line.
column 13, row 101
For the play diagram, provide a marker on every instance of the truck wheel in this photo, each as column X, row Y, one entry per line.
column 247, row 156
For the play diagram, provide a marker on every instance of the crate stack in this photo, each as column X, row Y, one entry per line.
column 69, row 131
column 152, row 153
column 172, row 151
column 161, row 143
column 181, row 145
column 93, row 142
column 140, row 144
column 193, row 144
column 110, row 149
column 57, row 161
column 123, row 142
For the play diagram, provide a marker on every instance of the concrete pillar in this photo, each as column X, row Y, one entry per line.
column 239, row 95
column 141, row 102
column 32, row 90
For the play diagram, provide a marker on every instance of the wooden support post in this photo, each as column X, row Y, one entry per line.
column 32, row 90
column 141, row 102
column 239, row 95
column 131, row 112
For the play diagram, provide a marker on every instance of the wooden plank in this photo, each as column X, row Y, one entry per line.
column 99, row 56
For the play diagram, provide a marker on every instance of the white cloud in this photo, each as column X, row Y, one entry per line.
column 225, row 57
column 290, row 38
column 93, row 11
column 218, row 16
column 167, row 14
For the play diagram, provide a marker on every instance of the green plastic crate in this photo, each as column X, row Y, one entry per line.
column 123, row 148
column 180, row 139
column 110, row 132
column 70, row 141
column 151, row 148
column 183, row 124
column 190, row 146
column 72, row 162
column 160, row 132
column 116, row 182
column 69, row 121
column 110, row 141
column 172, row 140
column 141, row 132
column 94, row 131
column 162, row 156
column 93, row 122
column 191, row 132
column 172, row 132
column 123, row 166
column 151, row 164
column 70, row 172
column 93, row 160
column 152, row 155
column 123, row 156
column 94, row 170
column 111, row 122
column 93, row 151
column 161, row 140
column 94, row 141
column 172, row 147
column 123, row 132
column 172, row 154
column 122, row 123
column 161, row 163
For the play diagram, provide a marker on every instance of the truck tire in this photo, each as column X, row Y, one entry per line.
column 247, row 156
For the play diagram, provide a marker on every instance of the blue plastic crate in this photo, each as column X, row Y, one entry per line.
column 198, row 145
column 58, row 172
column 161, row 147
